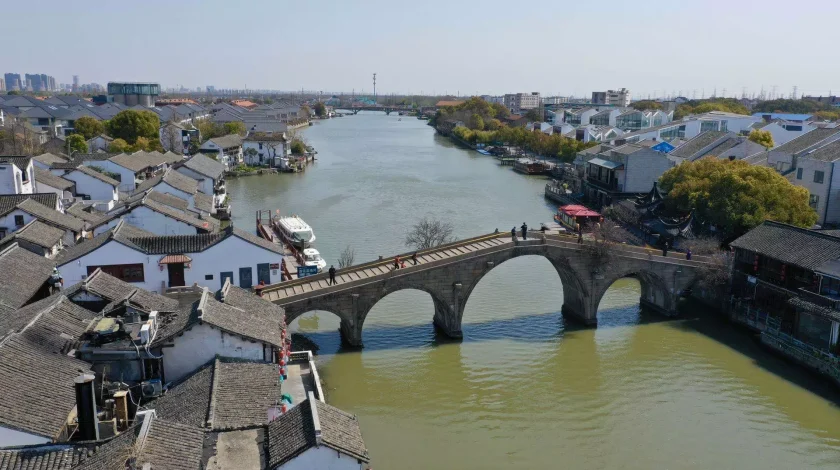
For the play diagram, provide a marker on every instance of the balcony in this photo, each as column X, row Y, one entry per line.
column 611, row 186
column 819, row 299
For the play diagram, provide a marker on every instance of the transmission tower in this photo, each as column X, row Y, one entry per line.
column 374, row 88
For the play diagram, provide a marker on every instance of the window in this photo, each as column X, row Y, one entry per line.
column 260, row 144
column 43, row 122
column 818, row 176
column 813, row 201
column 208, row 277
column 799, row 173
column 793, row 128
column 125, row 272
column 830, row 286
column 18, row 220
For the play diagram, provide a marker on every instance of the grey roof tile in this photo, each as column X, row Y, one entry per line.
column 774, row 240
column 20, row 162
column 54, row 324
column 49, row 158
column 188, row 401
column 38, row 233
column 806, row 141
column 138, row 161
column 114, row 290
column 8, row 202
column 205, row 165
column 43, row 457
column 169, row 200
column 826, row 153
column 172, row 446
column 259, row 324
column 181, row 182
column 294, row 432
column 203, row 202
column 24, row 274
column 43, row 176
column 52, row 216
column 227, row 141
column 698, row 143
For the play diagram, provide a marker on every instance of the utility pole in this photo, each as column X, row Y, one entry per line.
column 374, row 88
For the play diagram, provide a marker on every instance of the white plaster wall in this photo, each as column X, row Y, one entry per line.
column 44, row 188
column 12, row 437
column 157, row 223
column 205, row 184
column 96, row 189
column 105, row 227
column 227, row 256
column 833, row 199
column 782, row 135
column 8, row 221
column 643, row 168
column 114, row 252
column 322, row 458
column 202, row 343
column 126, row 175
column 809, row 167
column 11, row 181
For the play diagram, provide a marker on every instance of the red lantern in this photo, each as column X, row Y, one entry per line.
column 784, row 270
column 755, row 264
column 284, row 408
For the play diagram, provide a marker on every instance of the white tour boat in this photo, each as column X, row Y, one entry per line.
column 295, row 231
column 311, row 257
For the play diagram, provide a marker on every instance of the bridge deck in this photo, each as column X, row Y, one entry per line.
column 376, row 270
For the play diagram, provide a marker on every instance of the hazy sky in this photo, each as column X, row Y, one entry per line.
column 471, row 47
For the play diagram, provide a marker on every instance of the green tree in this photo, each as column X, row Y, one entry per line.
column 118, row 146
column 533, row 115
column 298, row 147
column 131, row 124
column 77, row 143
column 305, row 111
column 827, row 115
column 234, row 127
column 476, row 122
column 493, row 125
column 13, row 92
column 89, row 127
column 320, row 109
column 761, row 137
column 646, row 105
column 735, row 196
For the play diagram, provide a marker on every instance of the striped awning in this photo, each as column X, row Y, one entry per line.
column 172, row 259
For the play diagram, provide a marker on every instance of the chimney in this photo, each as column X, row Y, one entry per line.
column 86, row 408
column 316, row 421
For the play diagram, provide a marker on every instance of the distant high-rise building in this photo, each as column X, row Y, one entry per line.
column 131, row 94
column 2, row 84
column 13, row 81
column 75, row 83
column 612, row 97
column 211, row 89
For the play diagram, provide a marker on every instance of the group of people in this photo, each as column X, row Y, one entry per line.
column 524, row 229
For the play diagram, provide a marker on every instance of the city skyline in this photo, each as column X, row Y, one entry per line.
column 653, row 49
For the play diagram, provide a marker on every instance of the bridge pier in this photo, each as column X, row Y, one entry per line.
column 447, row 320
column 351, row 334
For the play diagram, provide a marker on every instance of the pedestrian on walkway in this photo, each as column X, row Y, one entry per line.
column 688, row 254
column 497, row 231
column 414, row 256
column 396, row 263
column 259, row 288
column 524, row 231
column 580, row 236
column 332, row 276
column 665, row 249
column 513, row 234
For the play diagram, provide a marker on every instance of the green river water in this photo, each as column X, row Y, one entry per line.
column 524, row 390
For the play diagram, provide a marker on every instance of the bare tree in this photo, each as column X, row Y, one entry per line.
column 429, row 233
column 605, row 236
column 347, row 257
column 170, row 137
column 716, row 273
column 703, row 245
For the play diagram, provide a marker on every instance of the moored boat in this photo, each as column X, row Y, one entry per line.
column 574, row 216
column 530, row 166
column 294, row 231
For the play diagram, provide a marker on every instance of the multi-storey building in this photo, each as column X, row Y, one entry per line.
column 612, row 97
column 518, row 102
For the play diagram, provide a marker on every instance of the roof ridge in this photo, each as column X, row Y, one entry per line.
column 803, row 230
column 211, row 408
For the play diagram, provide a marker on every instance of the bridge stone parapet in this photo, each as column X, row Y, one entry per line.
column 451, row 272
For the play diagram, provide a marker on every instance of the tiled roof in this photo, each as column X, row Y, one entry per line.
column 20, row 162
column 114, row 290
column 246, row 300
column 181, row 182
column 775, row 240
column 698, row 143
column 43, row 176
column 147, row 184
column 86, row 212
column 259, row 241
column 183, row 216
column 39, row 233
column 264, row 137
column 261, row 324
column 172, row 157
column 206, row 166
column 172, row 446
column 168, row 199
column 113, row 454
column 52, row 216
column 138, row 161
column 203, row 202
column 49, row 158
column 227, row 141
column 43, row 457
column 8, row 202
column 826, row 153
column 38, row 392
column 294, row 432
column 122, row 232
column 222, row 395
column 149, row 201
column 24, row 274
column 175, row 244
column 806, row 141
column 95, row 174
column 54, row 324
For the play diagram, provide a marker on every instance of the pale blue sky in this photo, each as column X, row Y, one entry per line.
column 484, row 47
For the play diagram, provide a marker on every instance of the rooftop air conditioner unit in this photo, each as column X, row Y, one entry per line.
column 151, row 388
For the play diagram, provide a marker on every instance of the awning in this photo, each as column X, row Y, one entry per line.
column 606, row 163
column 173, row 259
column 808, row 307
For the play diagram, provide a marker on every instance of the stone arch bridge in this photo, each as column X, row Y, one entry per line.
column 449, row 274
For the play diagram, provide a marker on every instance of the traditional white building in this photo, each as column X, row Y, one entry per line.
column 227, row 148
column 260, row 148
column 16, row 175
column 93, row 185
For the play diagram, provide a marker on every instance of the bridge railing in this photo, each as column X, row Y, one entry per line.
column 384, row 261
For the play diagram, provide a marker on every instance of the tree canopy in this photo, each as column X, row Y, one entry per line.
column 118, row 146
column 761, row 137
column 646, row 105
column 77, row 143
column 320, row 109
column 554, row 145
column 735, row 196
column 89, row 127
column 790, row 106
column 729, row 105
column 473, row 106
column 131, row 124
column 298, row 147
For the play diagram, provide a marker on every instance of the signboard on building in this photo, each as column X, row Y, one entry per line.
column 303, row 271
column 275, row 266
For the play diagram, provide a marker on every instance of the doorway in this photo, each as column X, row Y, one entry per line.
column 176, row 274
column 264, row 273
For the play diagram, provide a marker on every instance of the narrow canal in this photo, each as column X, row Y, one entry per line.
column 522, row 390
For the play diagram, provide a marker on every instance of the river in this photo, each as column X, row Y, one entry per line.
column 524, row 390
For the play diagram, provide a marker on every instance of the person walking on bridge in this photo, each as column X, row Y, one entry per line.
column 396, row 263
column 414, row 258
column 332, row 276
column 513, row 234
column 524, row 231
